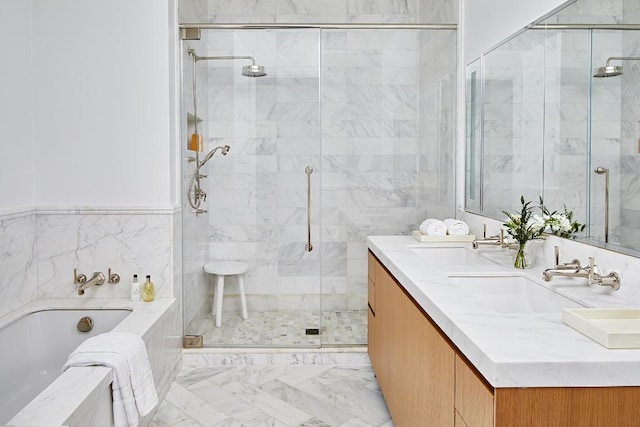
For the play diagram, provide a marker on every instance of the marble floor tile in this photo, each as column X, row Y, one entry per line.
column 283, row 328
column 276, row 396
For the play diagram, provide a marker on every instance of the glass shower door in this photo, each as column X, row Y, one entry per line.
column 263, row 198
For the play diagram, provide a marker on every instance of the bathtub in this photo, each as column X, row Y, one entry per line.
column 37, row 339
column 34, row 348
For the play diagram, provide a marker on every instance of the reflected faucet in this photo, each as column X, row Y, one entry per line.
column 97, row 280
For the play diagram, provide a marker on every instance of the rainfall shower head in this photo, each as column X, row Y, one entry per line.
column 613, row 70
column 253, row 71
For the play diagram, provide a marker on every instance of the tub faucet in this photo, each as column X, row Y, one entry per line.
column 97, row 280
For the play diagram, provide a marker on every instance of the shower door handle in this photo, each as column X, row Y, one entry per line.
column 308, row 247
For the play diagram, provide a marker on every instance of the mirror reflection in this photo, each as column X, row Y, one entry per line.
column 560, row 117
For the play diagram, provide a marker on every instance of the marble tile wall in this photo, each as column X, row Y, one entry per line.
column 18, row 252
column 513, row 123
column 630, row 140
column 335, row 11
column 38, row 253
column 258, row 203
column 370, row 147
column 591, row 12
column 436, row 161
column 606, row 121
column 566, row 114
column 125, row 242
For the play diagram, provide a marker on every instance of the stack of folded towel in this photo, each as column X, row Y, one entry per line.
column 450, row 226
column 134, row 393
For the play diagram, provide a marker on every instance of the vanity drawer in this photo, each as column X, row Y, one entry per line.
column 371, row 264
column 372, row 296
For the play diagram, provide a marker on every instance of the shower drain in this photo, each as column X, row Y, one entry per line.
column 312, row 331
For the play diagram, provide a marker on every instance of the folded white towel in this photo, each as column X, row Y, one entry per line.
column 134, row 393
column 455, row 227
column 433, row 227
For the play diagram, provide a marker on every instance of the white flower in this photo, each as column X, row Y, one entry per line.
column 537, row 223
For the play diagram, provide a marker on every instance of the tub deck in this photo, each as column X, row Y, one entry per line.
column 85, row 392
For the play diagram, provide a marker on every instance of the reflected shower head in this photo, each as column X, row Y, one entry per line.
column 613, row 70
column 253, row 71
column 608, row 71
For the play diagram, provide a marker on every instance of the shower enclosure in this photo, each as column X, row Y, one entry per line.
column 350, row 133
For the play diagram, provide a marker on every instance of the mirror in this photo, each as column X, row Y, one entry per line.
column 473, row 150
column 544, row 124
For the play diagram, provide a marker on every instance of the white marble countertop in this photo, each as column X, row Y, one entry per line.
column 511, row 349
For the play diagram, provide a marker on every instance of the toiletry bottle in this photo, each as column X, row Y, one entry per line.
column 148, row 291
column 136, row 289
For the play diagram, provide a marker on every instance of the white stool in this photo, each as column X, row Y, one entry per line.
column 221, row 269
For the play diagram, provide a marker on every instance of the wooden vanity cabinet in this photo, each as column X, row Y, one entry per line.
column 473, row 397
column 414, row 364
column 426, row 381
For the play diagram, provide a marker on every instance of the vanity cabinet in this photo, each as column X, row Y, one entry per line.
column 426, row 380
column 413, row 362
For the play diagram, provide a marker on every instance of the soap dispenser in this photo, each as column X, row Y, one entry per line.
column 136, row 289
column 148, row 290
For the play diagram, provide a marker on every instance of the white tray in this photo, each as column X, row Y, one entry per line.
column 442, row 239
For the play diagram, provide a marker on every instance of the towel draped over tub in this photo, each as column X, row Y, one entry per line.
column 134, row 393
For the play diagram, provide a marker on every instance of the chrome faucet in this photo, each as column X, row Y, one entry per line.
column 590, row 272
column 497, row 240
column 97, row 280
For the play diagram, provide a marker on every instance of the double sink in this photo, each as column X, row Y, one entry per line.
column 516, row 293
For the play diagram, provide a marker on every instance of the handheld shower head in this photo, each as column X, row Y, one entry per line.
column 224, row 149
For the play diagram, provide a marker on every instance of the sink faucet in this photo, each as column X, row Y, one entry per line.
column 590, row 272
column 97, row 280
column 497, row 240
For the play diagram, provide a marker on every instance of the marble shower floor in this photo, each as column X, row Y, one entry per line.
column 274, row 395
column 283, row 328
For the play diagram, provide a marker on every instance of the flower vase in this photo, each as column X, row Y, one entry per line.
column 527, row 254
column 521, row 260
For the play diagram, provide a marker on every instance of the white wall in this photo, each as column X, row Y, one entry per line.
column 16, row 142
column 102, row 90
column 487, row 22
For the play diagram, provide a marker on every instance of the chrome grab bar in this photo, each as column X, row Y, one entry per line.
column 308, row 247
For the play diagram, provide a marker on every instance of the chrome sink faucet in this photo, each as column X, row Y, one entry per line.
column 497, row 240
column 590, row 272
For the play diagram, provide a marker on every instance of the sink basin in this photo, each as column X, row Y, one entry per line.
column 613, row 328
column 513, row 294
column 456, row 255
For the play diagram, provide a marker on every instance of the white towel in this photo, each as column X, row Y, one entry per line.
column 433, row 227
column 455, row 227
column 134, row 393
